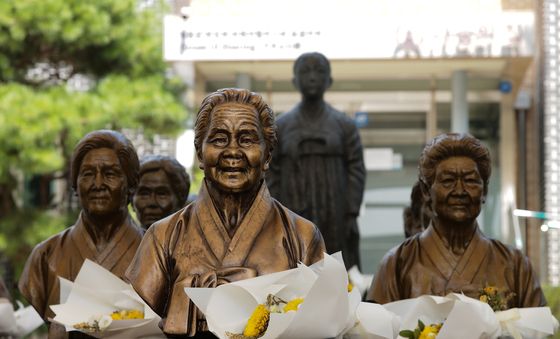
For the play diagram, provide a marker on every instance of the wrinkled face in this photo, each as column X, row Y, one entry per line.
column 101, row 183
column 457, row 191
column 312, row 77
column 154, row 199
column 234, row 155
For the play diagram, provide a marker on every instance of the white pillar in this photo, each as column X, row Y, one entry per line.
column 459, row 105
column 551, row 133
column 508, row 167
column 431, row 115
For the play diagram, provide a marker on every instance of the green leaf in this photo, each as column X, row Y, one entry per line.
column 407, row 334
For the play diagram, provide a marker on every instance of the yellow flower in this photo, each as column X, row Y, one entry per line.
column 258, row 322
column 293, row 305
column 134, row 314
column 350, row 287
column 127, row 314
column 490, row 290
column 430, row 331
column 484, row 298
column 116, row 315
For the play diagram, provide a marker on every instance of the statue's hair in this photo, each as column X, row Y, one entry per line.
column 417, row 215
column 450, row 145
column 239, row 96
column 178, row 177
column 315, row 55
column 114, row 140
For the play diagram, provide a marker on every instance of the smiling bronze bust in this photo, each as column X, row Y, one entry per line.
column 104, row 176
column 452, row 254
column 234, row 229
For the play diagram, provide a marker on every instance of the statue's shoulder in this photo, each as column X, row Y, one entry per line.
column 287, row 118
column 405, row 249
column 341, row 118
column 52, row 244
column 510, row 253
column 298, row 224
column 164, row 228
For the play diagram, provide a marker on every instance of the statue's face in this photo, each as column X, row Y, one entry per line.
column 457, row 191
column 312, row 77
column 154, row 199
column 102, row 184
column 234, row 154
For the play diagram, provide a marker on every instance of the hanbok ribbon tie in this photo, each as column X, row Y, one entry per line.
column 226, row 275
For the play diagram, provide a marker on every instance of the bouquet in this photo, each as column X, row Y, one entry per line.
column 102, row 305
column 497, row 299
column 18, row 323
column 529, row 322
column 458, row 316
column 452, row 316
column 304, row 302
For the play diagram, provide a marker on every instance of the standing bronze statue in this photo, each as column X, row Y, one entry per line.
column 234, row 229
column 104, row 175
column 318, row 169
column 163, row 189
column 452, row 254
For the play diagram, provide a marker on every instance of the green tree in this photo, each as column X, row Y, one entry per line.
column 68, row 67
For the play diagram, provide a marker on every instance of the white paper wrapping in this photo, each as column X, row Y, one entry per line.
column 469, row 318
column 530, row 322
column 360, row 280
column 374, row 322
column 97, row 291
column 462, row 317
column 328, row 309
column 18, row 323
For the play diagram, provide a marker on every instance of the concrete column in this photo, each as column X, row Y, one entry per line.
column 508, row 167
column 459, row 104
column 243, row 80
column 431, row 115
column 199, row 91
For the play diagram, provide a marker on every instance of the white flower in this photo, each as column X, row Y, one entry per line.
column 104, row 322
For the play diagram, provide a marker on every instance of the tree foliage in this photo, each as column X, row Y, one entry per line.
column 44, row 44
column 68, row 67
column 98, row 37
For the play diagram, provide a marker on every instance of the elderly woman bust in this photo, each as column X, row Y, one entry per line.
column 452, row 254
column 234, row 229
column 104, row 176
column 163, row 189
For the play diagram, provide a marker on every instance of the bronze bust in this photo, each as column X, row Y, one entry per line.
column 104, row 175
column 234, row 229
column 452, row 254
column 415, row 216
column 163, row 189
column 318, row 170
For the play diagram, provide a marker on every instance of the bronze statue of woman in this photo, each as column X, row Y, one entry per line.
column 163, row 189
column 452, row 254
column 234, row 229
column 104, row 176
